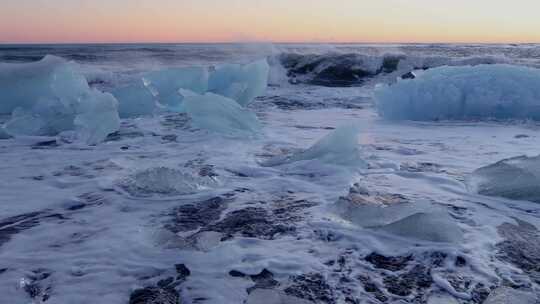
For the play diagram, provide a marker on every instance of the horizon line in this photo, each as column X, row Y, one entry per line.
column 258, row 42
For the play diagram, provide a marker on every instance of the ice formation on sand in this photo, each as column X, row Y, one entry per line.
column 165, row 181
column 240, row 82
column 165, row 84
column 340, row 147
column 370, row 208
column 432, row 227
column 467, row 92
column 134, row 100
column 220, row 114
column 51, row 96
column 516, row 178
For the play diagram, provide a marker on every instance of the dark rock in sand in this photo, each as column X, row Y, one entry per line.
column 409, row 75
column 404, row 284
column 312, row 287
column 521, row 247
column 46, row 144
column 371, row 287
column 197, row 215
column 182, row 271
column 389, row 263
column 16, row 224
column 263, row 280
column 250, row 222
column 37, row 285
column 155, row 295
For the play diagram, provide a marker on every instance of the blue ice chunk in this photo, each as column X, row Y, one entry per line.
column 164, row 84
column 220, row 114
column 240, row 82
column 467, row 92
column 134, row 100
column 51, row 96
column 515, row 178
column 339, row 147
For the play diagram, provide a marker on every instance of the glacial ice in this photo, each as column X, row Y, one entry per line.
column 467, row 92
column 220, row 114
column 432, row 227
column 371, row 208
column 97, row 117
column 241, row 83
column 516, row 178
column 51, row 96
column 165, row 181
column 164, row 84
column 340, row 147
column 134, row 100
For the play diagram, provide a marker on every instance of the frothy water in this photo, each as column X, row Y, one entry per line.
column 307, row 211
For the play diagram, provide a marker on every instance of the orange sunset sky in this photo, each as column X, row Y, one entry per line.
column 79, row 21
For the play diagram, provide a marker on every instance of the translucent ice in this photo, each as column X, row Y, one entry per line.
column 24, row 84
column 134, row 100
column 51, row 96
column 466, row 92
column 220, row 114
column 165, row 181
column 165, row 84
column 97, row 117
column 432, row 227
column 516, row 178
column 340, row 147
column 240, row 82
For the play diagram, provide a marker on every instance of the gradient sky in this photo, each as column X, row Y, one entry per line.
column 73, row 21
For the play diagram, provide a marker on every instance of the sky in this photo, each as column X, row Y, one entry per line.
column 375, row 21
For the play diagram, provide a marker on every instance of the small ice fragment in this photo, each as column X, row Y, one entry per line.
column 340, row 147
column 165, row 181
column 432, row 227
column 220, row 114
column 241, row 83
column 515, row 178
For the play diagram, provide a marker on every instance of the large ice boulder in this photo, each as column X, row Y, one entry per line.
column 339, row 147
column 467, row 92
column 516, row 178
column 219, row 114
column 240, row 82
column 164, row 84
column 51, row 96
column 134, row 100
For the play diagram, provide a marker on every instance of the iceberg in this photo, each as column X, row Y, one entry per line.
column 241, row 83
column 468, row 92
column 164, row 84
column 515, row 178
column 134, row 100
column 340, row 147
column 51, row 96
column 220, row 114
